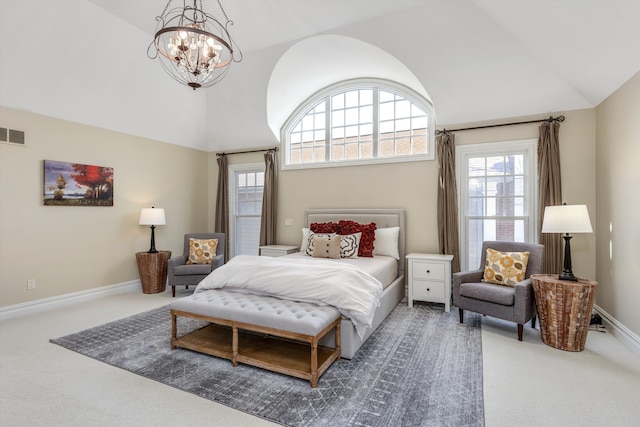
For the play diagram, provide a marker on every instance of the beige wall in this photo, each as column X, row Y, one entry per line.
column 72, row 249
column 618, row 190
column 90, row 247
column 412, row 186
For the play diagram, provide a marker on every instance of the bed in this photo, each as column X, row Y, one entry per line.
column 393, row 291
column 275, row 277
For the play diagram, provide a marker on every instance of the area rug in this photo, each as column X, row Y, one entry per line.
column 421, row 367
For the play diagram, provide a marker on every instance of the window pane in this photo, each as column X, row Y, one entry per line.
column 352, row 116
column 337, row 101
column 352, row 99
column 387, row 111
column 386, row 128
column 495, row 165
column 247, row 235
column 476, row 166
column 366, row 97
column 386, row 96
column 337, row 118
column 403, row 109
column 476, row 206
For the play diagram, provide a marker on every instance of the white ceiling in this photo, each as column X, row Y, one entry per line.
column 477, row 59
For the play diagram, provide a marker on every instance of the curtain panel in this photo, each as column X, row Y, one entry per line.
column 269, row 220
column 221, row 222
column 448, row 199
column 550, row 192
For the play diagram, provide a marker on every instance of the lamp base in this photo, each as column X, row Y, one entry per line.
column 567, row 275
column 152, row 249
column 567, row 271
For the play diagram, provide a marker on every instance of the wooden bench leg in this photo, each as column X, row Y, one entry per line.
column 338, row 342
column 174, row 330
column 234, row 345
column 314, row 362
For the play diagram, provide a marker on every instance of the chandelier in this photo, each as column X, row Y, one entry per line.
column 193, row 46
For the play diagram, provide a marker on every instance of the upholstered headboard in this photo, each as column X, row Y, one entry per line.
column 382, row 217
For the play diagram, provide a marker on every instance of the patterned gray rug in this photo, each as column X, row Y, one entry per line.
column 420, row 368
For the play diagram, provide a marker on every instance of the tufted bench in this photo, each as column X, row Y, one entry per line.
column 261, row 331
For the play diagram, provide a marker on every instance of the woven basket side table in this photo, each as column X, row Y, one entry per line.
column 153, row 271
column 564, row 308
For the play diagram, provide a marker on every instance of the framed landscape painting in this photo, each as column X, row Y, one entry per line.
column 74, row 184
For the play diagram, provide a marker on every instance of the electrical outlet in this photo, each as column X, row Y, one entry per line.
column 288, row 221
column 31, row 284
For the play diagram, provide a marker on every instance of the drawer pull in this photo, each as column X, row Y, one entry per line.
column 428, row 271
column 428, row 289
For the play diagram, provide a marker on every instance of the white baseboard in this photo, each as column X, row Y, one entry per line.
column 40, row 305
column 618, row 330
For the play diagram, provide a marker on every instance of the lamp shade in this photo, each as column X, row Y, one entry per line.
column 152, row 216
column 566, row 219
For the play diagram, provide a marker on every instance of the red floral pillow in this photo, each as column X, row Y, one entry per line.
column 344, row 227
column 368, row 235
column 324, row 227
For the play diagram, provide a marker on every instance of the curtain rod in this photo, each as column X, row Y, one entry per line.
column 550, row 119
column 273, row 149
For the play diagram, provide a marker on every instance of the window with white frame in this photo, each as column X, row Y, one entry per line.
column 246, row 185
column 359, row 121
column 497, row 195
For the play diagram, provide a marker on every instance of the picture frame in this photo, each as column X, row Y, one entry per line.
column 76, row 184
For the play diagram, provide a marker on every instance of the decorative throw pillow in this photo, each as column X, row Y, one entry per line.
column 325, row 245
column 324, row 227
column 505, row 268
column 387, row 242
column 308, row 249
column 202, row 251
column 349, row 245
column 368, row 235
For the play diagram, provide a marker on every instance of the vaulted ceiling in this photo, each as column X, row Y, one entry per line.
column 477, row 59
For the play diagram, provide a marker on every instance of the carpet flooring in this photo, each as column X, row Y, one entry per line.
column 419, row 368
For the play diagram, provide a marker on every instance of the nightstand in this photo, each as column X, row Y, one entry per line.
column 152, row 267
column 277, row 250
column 564, row 309
column 429, row 278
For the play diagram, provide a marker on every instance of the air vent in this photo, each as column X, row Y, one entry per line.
column 11, row 135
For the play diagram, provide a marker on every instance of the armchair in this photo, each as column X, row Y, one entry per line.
column 182, row 274
column 515, row 304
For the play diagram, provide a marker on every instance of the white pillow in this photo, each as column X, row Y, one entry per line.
column 349, row 245
column 386, row 242
column 306, row 232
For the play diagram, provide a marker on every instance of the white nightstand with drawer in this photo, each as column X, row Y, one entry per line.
column 278, row 250
column 429, row 278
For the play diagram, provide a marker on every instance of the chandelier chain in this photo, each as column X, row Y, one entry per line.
column 165, row 9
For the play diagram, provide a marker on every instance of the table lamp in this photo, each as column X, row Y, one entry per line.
column 152, row 216
column 566, row 219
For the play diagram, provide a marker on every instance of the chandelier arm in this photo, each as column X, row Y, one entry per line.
column 222, row 9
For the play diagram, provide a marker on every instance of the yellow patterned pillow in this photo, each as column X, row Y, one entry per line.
column 505, row 268
column 202, row 251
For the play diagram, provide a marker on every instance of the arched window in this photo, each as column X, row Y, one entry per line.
column 359, row 121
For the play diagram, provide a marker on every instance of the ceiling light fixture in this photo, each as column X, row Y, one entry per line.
column 193, row 46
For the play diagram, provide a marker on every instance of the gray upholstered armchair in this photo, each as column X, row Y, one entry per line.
column 182, row 274
column 516, row 304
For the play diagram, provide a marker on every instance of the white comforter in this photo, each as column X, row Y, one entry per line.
column 355, row 293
